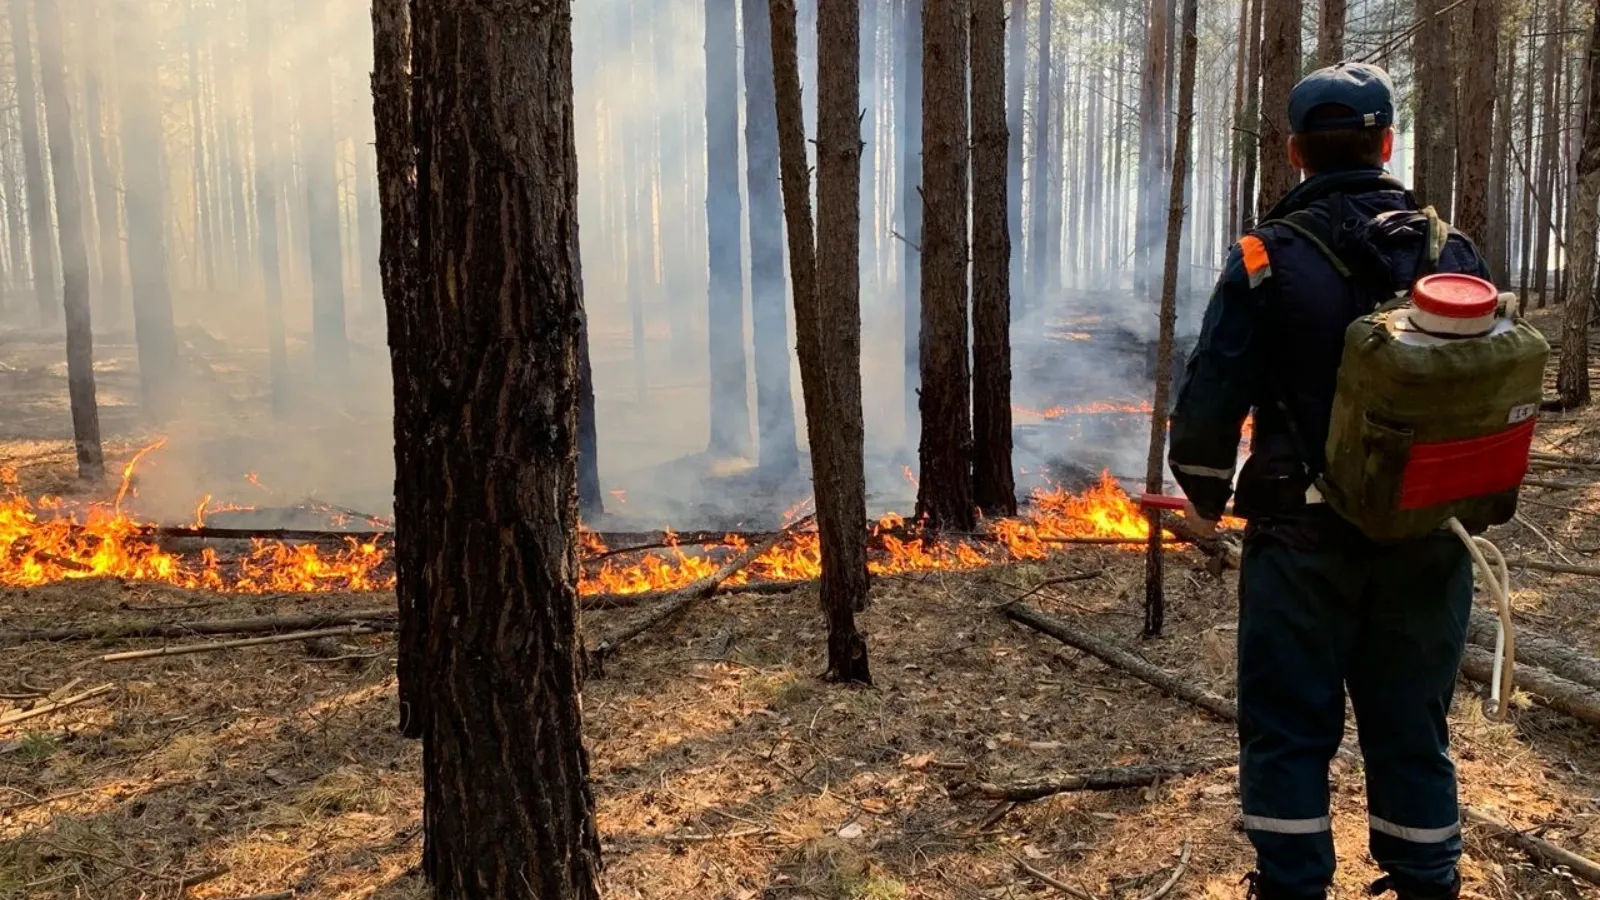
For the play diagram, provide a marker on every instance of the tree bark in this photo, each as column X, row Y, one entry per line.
column 16, row 228
column 730, row 398
column 145, row 201
column 1474, row 144
column 944, row 488
column 1250, row 125
column 779, row 454
column 1573, row 378
column 1238, row 122
column 1016, row 80
column 994, row 487
column 108, row 310
column 1548, row 690
column 266, row 195
column 40, row 227
column 1535, row 649
column 1525, row 164
column 74, row 252
column 1500, row 191
column 911, row 218
column 1435, row 117
column 1330, row 32
column 1038, row 171
column 507, row 806
column 827, row 307
column 1550, row 125
column 1280, row 69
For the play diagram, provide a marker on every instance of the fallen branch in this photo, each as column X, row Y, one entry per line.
column 1172, row 881
column 645, row 598
column 1551, row 655
column 1554, row 485
column 1061, row 886
column 1539, row 848
column 1549, row 690
column 210, row 533
column 1112, row 779
column 22, row 715
column 1118, row 658
column 723, row 836
column 683, row 598
column 1535, row 565
column 214, row 646
column 257, row 625
column 1553, row 463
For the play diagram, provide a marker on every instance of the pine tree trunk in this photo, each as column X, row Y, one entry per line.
column 1016, row 79
column 870, row 105
column 330, row 348
column 366, row 213
column 1550, row 124
column 266, row 197
column 780, row 456
column 205, row 252
column 1525, row 165
column 40, row 227
column 911, row 218
column 1280, row 69
column 994, row 487
column 74, row 252
column 1573, row 380
column 730, row 398
column 1474, row 144
column 495, row 492
column 240, row 245
column 829, row 322
column 1238, row 122
column 1250, row 140
column 1152, row 145
column 1435, row 118
column 1330, row 32
column 145, row 202
column 944, row 488
column 1039, row 170
column 108, row 310
column 1500, row 192
column 675, row 197
column 15, row 192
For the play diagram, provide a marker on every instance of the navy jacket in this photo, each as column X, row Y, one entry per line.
column 1273, row 335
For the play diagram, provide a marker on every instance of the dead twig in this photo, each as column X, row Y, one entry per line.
column 723, row 836
column 1061, row 886
column 16, row 716
column 1534, row 565
column 1111, row 779
column 645, row 598
column 376, row 618
column 184, row 649
column 1172, row 881
column 1539, row 848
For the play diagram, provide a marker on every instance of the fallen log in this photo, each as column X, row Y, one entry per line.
column 1538, row 650
column 645, row 598
column 1552, row 691
column 185, row 649
column 1111, row 779
column 1118, row 658
column 1537, row 847
column 22, row 715
column 682, row 599
column 257, row 625
column 217, row 533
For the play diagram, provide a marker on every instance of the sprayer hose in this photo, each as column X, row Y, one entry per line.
column 1497, row 579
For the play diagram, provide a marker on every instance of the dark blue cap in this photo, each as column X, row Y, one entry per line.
column 1364, row 90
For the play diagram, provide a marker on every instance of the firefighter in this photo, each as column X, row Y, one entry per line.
column 1324, row 611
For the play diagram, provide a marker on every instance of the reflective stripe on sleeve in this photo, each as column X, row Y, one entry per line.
column 1414, row 835
column 1288, row 826
column 1202, row 471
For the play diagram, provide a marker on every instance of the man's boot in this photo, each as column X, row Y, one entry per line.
column 1261, row 889
column 1387, row 883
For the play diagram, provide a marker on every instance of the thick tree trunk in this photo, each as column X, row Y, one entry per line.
column 836, row 424
column 730, row 396
column 74, row 252
column 40, row 227
column 499, row 290
column 1250, row 135
column 1573, row 380
column 266, row 196
column 1016, row 80
column 145, row 202
column 769, row 320
column 329, row 345
column 1435, row 117
column 944, row 487
column 108, row 306
column 911, row 218
column 1474, row 144
column 1330, row 32
column 870, row 138
column 1280, row 69
column 1038, row 171
column 994, row 487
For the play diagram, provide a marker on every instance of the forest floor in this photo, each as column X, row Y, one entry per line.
column 722, row 766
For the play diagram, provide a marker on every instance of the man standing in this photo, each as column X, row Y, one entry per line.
column 1323, row 609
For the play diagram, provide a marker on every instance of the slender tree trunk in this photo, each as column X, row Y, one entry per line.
column 145, row 201
column 1250, row 137
column 1500, row 192
column 911, row 219
column 1330, row 32
column 1280, row 57
column 769, row 320
column 827, row 307
column 1039, row 171
column 944, row 489
column 730, row 398
column 1525, row 164
column 676, row 200
column 1016, row 79
column 1545, row 183
column 1475, row 143
column 106, row 190
column 330, row 348
column 205, row 252
column 870, row 104
column 994, row 487
column 231, row 163
column 500, row 290
column 1152, row 145
column 1238, row 123
column 74, row 252
column 1573, row 380
column 15, row 194
column 40, row 227
column 266, row 188
column 1435, row 120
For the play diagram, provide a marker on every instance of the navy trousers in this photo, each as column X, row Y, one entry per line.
column 1389, row 625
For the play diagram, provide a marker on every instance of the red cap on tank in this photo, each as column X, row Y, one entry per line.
column 1455, row 296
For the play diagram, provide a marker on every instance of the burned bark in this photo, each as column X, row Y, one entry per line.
column 266, row 196
column 775, row 426
column 1474, row 143
column 330, row 349
column 495, row 543
column 1280, row 69
column 1435, row 116
column 39, row 219
column 994, row 487
column 827, row 308
column 730, row 397
column 74, row 251
column 1573, row 378
column 146, row 209
column 944, row 487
